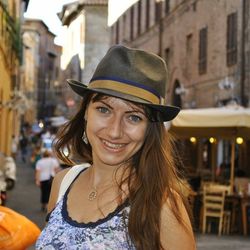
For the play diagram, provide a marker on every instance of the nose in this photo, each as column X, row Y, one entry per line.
column 115, row 128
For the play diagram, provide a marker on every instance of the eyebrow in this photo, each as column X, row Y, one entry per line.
column 103, row 102
column 136, row 111
column 128, row 112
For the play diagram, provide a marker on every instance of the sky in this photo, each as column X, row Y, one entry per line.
column 117, row 7
column 47, row 10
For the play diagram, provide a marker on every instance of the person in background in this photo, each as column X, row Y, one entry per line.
column 46, row 169
column 35, row 140
column 23, row 143
column 14, row 146
column 126, row 193
column 35, row 156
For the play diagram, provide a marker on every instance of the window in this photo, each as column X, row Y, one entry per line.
column 189, row 44
column 139, row 18
column 147, row 13
column 132, row 23
column 124, row 28
column 167, row 55
column 189, row 55
column 203, row 51
column 113, row 31
column 158, row 5
column 231, row 39
column 167, row 6
column 117, row 32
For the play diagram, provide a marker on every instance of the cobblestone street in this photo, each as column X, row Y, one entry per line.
column 25, row 199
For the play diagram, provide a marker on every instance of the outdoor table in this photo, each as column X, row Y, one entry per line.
column 240, row 218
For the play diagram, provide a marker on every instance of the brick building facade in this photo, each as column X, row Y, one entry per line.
column 205, row 44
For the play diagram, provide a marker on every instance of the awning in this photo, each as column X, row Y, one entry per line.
column 225, row 122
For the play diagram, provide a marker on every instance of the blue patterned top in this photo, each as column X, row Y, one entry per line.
column 62, row 232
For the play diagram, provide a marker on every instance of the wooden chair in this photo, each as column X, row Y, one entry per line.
column 213, row 207
column 226, row 188
column 218, row 186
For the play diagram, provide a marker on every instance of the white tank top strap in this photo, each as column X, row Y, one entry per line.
column 69, row 178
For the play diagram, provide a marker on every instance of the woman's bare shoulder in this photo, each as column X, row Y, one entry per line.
column 55, row 188
column 60, row 175
column 172, row 230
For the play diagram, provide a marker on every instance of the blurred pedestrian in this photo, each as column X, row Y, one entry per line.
column 126, row 194
column 35, row 140
column 46, row 169
column 23, row 142
column 14, row 146
column 35, row 156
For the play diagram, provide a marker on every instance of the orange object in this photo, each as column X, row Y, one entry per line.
column 16, row 231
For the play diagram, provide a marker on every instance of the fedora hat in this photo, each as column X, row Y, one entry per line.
column 131, row 74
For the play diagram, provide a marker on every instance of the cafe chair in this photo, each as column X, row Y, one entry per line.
column 213, row 207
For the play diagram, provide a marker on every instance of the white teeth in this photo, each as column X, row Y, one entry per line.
column 112, row 145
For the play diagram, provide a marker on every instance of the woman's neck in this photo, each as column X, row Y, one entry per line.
column 106, row 178
column 103, row 174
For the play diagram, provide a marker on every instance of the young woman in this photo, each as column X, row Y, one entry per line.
column 127, row 193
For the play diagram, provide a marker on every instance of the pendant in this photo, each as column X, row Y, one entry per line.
column 92, row 195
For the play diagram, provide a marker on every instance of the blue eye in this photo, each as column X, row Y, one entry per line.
column 103, row 110
column 135, row 118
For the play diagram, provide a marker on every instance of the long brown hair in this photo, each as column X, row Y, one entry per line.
column 156, row 180
column 152, row 177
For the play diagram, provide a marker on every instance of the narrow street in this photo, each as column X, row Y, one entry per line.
column 25, row 199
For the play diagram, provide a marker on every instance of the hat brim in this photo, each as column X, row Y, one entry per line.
column 168, row 112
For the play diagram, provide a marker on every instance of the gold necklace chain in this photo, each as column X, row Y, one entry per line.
column 93, row 194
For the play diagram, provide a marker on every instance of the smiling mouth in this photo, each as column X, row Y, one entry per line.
column 114, row 146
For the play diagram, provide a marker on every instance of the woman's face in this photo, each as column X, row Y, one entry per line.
column 115, row 129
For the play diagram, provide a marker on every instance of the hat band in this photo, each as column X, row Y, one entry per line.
column 125, row 89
